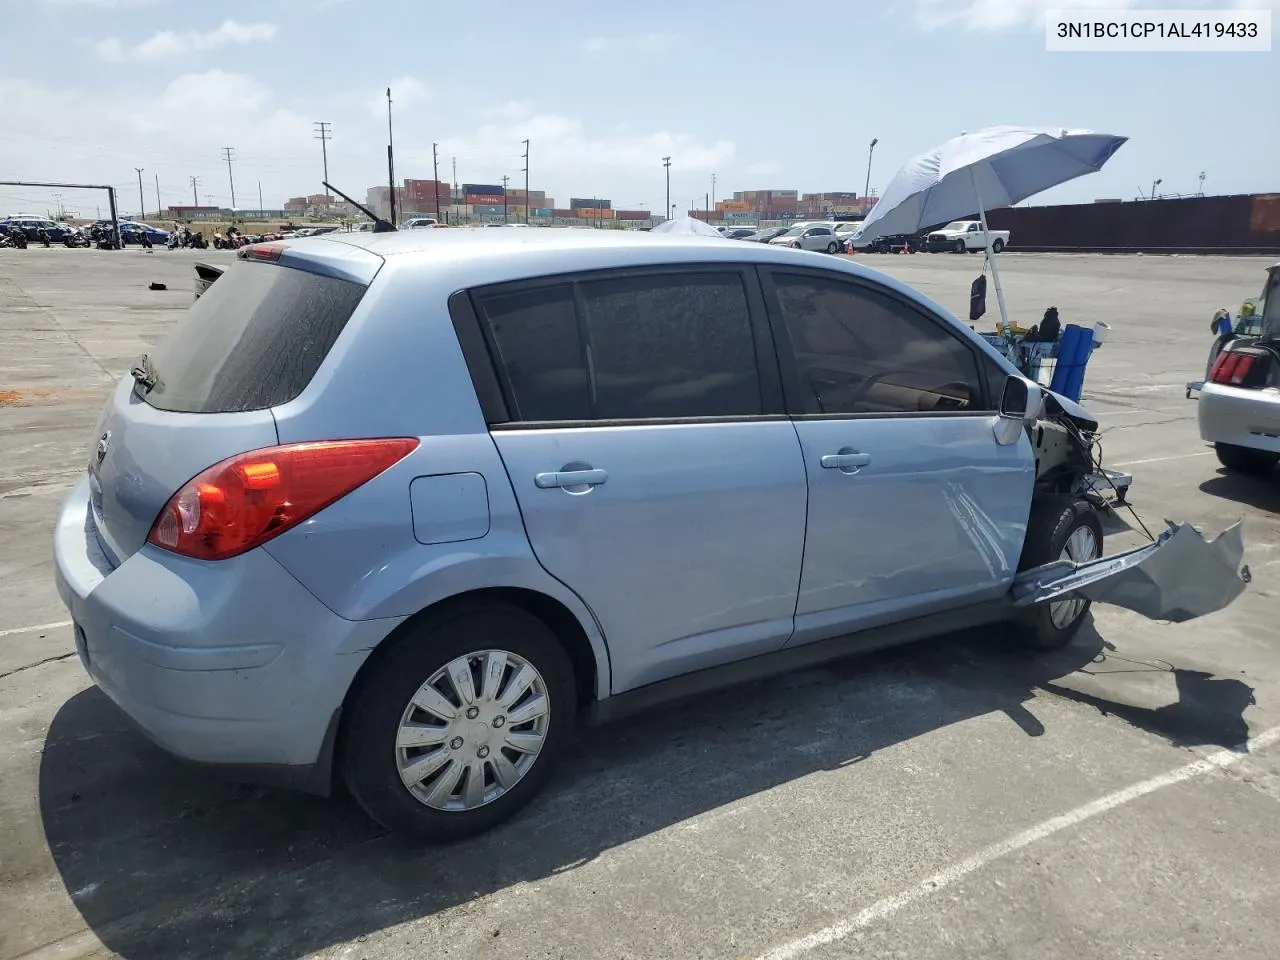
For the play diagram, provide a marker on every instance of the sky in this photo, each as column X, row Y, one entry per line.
column 764, row 95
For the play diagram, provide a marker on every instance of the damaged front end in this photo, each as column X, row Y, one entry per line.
column 1177, row 577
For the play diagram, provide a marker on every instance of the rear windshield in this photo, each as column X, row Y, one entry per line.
column 253, row 340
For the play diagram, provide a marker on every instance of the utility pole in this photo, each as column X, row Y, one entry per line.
column 195, row 182
column 158, row 207
column 228, row 152
column 324, row 136
column 391, row 161
column 142, row 205
column 435, row 176
column 866, row 190
column 455, row 177
column 666, row 162
column 505, row 178
column 713, row 186
column 526, row 181
column 260, row 197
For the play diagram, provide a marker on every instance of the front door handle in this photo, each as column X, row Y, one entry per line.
column 570, row 478
column 845, row 461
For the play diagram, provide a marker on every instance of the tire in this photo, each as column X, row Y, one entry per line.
column 958, row 247
column 832, row 247
column 1246, row 460
column 997, row 245
column 371, row 758
column 1054, row 521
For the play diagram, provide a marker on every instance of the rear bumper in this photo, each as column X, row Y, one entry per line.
column 232, row 662
column 1243, row 418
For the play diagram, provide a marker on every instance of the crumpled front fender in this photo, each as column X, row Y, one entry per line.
column 1177, row 577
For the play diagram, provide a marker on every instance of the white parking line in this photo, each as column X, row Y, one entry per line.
column 1180, row 456
column 38, row 627
column 882, row 909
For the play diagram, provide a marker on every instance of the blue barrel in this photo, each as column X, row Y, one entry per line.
column 1073, row 355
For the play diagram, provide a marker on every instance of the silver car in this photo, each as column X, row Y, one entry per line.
column 405, row 507
column 1239, row 405
column 815, row 236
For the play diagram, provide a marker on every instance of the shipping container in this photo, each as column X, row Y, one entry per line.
column 588, row 203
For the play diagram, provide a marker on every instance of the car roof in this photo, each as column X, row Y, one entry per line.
column 479, row 257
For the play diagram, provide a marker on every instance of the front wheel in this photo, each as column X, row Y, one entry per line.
column 958, row 246
column 1059, row 528
column 832, row 247
column 458, row 725
column 1245, row 460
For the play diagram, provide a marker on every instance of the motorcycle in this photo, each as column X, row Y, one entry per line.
column 75, row 240
column 13, row 238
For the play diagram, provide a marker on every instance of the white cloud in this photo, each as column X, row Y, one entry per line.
column 645, row 43
column 995, row 15
column 169, row 44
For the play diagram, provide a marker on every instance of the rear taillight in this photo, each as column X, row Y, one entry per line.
column 244, row 501
column 1232, row 368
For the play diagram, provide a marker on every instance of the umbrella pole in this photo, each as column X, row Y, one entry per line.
column 995, row 274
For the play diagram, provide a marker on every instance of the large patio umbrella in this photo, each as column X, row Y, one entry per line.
column 989, row 169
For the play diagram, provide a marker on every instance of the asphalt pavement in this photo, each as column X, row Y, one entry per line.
column 953, row 799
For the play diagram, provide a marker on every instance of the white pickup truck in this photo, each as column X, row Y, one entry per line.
column 961, row 235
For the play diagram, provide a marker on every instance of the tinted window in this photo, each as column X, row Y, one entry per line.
column 253, row 340
column 656, row 347
column 536, row 333
column 676, row 346
column 861, row 351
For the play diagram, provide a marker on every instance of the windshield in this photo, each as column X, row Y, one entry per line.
column 794, row 232
column 1269, row 306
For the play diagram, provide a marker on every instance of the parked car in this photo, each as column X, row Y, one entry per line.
column 769, row 461
column 131, row 231
column 1239, row 402
column 809, row 237
column 893, row 243
column 31, row 227
column 740, row 233
column 767, row 234
column 418, row 223
column 959, row 236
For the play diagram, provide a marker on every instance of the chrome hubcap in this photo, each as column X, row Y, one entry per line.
column 1080, row 546
column 472, row 731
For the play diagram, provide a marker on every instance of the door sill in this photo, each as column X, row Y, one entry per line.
column 789, row 659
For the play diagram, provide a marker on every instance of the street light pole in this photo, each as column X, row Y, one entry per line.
column 1154, row 184
column 867, row 188
column 666, row 162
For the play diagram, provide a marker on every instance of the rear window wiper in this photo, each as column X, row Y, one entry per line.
column 144, row 374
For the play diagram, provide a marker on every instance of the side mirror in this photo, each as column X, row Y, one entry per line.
column 1022, row 400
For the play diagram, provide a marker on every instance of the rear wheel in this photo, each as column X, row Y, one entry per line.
column 1059, row 528
column 997, row 246
column 1245, row 460
column 458, row 726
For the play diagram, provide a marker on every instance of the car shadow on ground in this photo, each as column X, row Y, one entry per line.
column 164, row 859
column 1261, row 493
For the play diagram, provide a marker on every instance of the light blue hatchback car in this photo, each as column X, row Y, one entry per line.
column 396, row 510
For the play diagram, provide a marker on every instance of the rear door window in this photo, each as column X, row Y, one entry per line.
column 253, row 340
column 626, row 347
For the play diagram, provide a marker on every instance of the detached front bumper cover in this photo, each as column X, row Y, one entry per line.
column 1178, row 577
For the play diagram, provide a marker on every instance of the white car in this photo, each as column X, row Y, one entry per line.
column 417, row 223
column 818, row 236
column 1239, row 405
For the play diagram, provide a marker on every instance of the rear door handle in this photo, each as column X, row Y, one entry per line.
column 843, row 461
column 570, row 478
